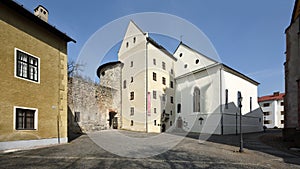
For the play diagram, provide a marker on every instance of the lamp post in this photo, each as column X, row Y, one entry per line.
column 240, row 98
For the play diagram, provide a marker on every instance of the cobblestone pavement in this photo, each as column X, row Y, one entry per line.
column 217, row 152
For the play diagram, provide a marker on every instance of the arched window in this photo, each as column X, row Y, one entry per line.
column 196, row 100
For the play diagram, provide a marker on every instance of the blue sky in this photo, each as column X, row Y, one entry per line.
column 248, row 35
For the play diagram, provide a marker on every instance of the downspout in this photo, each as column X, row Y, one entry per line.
column 221, row 107
column 146, row 86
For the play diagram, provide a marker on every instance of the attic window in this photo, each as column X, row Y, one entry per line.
column 127, row 44
column 180, row 55
column 134, row 39
column 197, row 61
column 185, row 66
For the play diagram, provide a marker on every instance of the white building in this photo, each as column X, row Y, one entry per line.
column 273, row 108
column 186, row 90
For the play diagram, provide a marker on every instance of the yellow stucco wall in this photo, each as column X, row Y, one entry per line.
column 49, row 96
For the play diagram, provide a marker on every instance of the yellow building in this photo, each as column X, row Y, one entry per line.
column 33, row 73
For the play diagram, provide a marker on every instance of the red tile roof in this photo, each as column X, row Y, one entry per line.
column 275, row 96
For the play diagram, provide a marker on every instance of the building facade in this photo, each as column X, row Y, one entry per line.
column 33, row 102
column 273, row 108
column 292, row 77
column 186, row 90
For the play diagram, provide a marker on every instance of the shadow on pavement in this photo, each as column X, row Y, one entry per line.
column 262, row 142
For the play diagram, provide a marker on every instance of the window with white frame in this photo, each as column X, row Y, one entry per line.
column 25, row 118
column 27, row 66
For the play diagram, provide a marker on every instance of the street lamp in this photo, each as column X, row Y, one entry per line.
column 240, row 98
column 201, row 119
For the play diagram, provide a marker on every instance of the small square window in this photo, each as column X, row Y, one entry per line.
column 171, row 84
column 131, row 95
column 131, row 111
column 154, row 94
column 163, row 65
column 154, row 76
column 124, row 84
column 164, row 80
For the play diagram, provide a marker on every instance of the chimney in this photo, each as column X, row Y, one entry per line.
column 41, row 12
column 276, row 94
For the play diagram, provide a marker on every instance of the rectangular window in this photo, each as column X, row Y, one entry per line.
column 124, row 84
column 266, row 104
column 171, row 99
column 171, row 123
column 282, row 112
column 163, row 65
column 154, row 76
column 171, row 84
column 131, row 95
column 267, row 121
column 27, row 66
column 266, row 113
column 131, row 64
column 131, row 111
column 164, row 80
column 25, row 119
column 178, row 108
column 77, row 117
column 154, row 94
column 131, row 79
column 154, row 122
column 250, row 104
column 281, row 103
column 226, row 99
column 154, row 110
column 172, row 71
column 154, row 61
column 171, row 112
column 282, row 121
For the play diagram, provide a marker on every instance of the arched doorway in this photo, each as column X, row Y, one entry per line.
column 113, row 121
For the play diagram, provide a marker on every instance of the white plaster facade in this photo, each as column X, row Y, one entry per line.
column 273, row 108
column 158, row 90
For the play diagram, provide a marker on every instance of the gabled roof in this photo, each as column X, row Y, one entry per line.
column 183, row 44
column 24, row 12
column 150, row 40
column 274, row 96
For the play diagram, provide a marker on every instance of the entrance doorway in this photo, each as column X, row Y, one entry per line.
column 179, row 122
column 113, row 121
